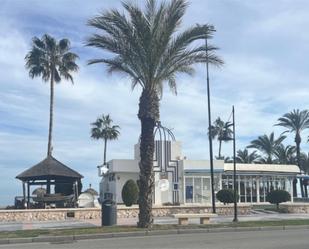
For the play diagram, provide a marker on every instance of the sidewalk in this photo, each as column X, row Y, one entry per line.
column 72, row 223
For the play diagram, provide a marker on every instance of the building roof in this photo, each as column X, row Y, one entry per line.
column 278, row 168
column 49, row 168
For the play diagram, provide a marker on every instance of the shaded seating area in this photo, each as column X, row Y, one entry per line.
column 58, row 199
column 62, row 184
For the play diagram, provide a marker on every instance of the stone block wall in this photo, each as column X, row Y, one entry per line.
column 298, row 208
column 49, row 214
column 122, row 212
column 132, row 212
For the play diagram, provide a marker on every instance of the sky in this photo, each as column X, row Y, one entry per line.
column 264, row 45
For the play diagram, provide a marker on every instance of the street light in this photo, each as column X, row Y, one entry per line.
column 209, row 132
column 234, row 160
column 102, row 170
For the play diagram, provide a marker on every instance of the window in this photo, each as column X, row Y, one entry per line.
column 111, row 177
column 197, row 189
column 189, row 189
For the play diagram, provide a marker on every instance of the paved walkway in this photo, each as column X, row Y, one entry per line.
column 72, row 223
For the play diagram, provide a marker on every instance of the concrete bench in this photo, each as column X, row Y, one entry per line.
column 183, row 219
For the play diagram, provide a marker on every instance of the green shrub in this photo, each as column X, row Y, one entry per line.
column 129, row 193
column 278, row 196
column 226, row 196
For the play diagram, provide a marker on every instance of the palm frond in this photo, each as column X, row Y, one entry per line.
column 243, row 156
column 64, row 45
column 267, row 145
column 147, row 44
column 48, row 57
column 102, row 128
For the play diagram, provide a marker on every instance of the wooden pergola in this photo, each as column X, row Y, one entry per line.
column 48, row 172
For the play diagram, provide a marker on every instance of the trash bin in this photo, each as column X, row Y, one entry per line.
column 109, row 213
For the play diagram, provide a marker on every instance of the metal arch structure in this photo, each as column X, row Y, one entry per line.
column 164, row 132
column 163, row 163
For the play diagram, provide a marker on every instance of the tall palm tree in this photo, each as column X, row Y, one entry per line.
column 267, row 145
column 295, row 122
column 102, row 128
column 243, row 156
column 222, row 131
column 53, row 61
column 285, row 154
column 148, row 46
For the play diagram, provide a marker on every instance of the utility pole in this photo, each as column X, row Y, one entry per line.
column 209, row 135
column 234, row 157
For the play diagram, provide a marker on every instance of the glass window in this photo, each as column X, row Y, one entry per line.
column 271, row 184
column 288, row 185
column 206, row 193
column 262, row 189
column 217, row 183
column 197, row 190
column 242, row 191
column 189, row 189
column 224, row 182
column 230, row 182
column 254, row 190
column 248, row 189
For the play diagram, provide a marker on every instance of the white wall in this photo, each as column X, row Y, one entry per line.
column 123, row 165
column 176, row 150
column 202, row 164
column 120, row 180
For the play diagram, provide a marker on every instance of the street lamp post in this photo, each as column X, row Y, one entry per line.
column 209, row 134
column 234, row 161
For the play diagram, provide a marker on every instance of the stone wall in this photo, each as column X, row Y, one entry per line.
column 49, row 214
column 129, row 212
column 122, row 212
column 298, row 208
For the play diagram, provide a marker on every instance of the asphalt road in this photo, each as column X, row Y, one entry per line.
column 288, row 239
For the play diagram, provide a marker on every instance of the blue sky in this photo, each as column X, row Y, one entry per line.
column 264, row 45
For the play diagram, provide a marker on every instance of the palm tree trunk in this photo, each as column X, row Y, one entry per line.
column 298, row 141
column 148, row 114
column 220, row 143
column 51, row 113
column 105, row 147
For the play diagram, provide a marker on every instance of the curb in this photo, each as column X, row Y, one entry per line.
column 71, row 238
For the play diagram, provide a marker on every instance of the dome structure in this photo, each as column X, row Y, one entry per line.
column 86, row 200
column 92, row 191
column 89, row 198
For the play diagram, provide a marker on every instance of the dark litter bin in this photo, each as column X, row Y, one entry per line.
column 109, row 213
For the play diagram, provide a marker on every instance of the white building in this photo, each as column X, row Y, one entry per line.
column 179, row 180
